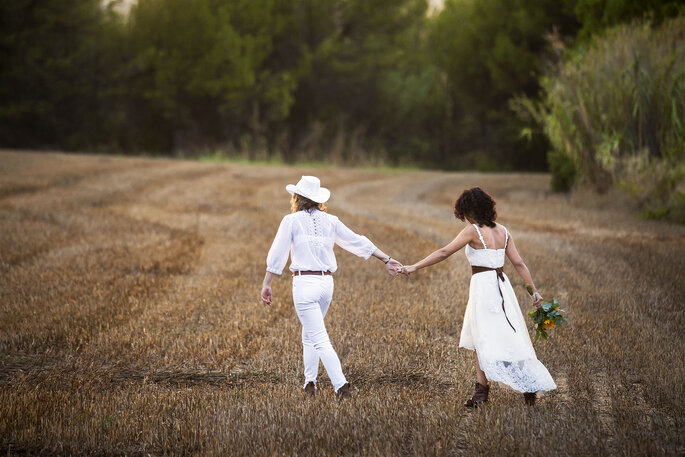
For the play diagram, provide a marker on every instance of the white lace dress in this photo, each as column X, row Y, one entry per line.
column 501, row 341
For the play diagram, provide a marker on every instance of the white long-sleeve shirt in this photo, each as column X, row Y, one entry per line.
column 309, row 238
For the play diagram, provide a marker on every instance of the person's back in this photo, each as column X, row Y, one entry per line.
column 493, row 325
column 307, row 236
column 492, row 237
column 484, row 253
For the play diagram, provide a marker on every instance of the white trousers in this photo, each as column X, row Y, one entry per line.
column 312, row 295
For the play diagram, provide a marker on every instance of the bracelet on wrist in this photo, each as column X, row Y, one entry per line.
column 388, row 260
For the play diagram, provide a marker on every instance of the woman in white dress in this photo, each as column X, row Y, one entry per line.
column 308, row 235
column 493, row 323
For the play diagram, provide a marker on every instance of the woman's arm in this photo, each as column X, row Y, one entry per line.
column 392, row 266
column 277, row 257
column 358, row 245
column 280, row 248
column 266, row 287
column 361, row 246
column 464, row 237
column 522, row 270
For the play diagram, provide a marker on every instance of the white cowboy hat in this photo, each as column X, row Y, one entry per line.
column 310, row 187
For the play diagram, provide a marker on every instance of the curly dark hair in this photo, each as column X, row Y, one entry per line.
column 476, row 204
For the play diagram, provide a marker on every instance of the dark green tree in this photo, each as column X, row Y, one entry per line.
column 370, row 78
column 205, row 71
column 51, row 69
column 597, row 15
column 491, row 50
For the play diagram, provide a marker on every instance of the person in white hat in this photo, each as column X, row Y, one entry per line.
column 308, row 235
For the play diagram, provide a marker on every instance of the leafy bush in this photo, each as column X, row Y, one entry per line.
column 614, row 110
column 563, row 171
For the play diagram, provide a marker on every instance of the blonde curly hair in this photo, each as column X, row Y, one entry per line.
column 299, row 203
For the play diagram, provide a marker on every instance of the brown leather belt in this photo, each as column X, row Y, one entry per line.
column 310, row 272
column 500, row 277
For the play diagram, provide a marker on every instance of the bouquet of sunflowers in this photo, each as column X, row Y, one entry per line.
column 546, row 317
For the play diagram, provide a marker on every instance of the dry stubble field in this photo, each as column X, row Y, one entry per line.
column 130, row 321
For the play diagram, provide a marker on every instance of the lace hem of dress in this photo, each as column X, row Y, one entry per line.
column 528, row 375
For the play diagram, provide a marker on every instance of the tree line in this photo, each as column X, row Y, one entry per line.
column 352, row 81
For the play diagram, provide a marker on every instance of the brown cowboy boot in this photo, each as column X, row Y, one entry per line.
column 343, row 392
column 529, row 398
column 479, row 396
column 310, row 389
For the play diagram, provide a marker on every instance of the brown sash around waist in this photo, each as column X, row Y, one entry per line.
column 500, row 277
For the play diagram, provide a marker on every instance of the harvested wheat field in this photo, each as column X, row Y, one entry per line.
column 130, row 319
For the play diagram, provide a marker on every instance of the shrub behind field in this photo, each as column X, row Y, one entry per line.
column 614, row 114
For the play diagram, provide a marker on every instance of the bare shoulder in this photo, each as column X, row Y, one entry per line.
column 502, row 229
column 469, row 230
column 468, row 234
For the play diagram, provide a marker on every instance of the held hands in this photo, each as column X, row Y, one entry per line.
column 407, row 270
column 393, row 267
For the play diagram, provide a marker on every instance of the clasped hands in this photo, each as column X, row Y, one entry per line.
column 394, row 268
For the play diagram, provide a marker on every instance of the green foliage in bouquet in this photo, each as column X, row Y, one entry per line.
column 546, row 317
